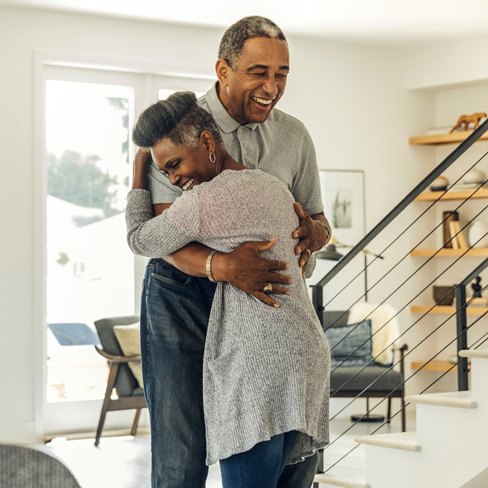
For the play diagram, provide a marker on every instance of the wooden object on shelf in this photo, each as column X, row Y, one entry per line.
column 459, row 235
column 454, row 238
column 447, row 241
column 468, row 119
column 432, row 196
column 441, row 139
column 450, row 253
column 446, row 310
column 441, row 366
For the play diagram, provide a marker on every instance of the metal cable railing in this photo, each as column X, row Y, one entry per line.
column 405, row 380
column 405, row 306
column 460, row 290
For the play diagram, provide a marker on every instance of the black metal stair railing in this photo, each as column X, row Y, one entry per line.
column 460, row 289
column 461, row 363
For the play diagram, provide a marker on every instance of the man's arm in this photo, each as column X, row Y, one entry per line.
column 244, row 268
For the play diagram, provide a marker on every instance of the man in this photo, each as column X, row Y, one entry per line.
column 252, row 70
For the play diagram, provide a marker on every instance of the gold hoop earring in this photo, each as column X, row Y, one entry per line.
column 212, row 158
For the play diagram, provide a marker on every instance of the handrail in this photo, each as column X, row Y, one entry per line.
column 451, row 158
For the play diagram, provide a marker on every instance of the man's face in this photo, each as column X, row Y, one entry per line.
column 251, row 91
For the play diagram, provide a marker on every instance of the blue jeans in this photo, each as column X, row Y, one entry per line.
column 175, row 309
column 261, row 466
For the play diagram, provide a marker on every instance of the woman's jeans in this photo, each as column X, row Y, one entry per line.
column 261, row 466
column 175, row 309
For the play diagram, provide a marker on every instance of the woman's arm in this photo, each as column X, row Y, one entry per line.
column 244, row 268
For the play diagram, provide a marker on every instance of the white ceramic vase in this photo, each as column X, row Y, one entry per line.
column 439, row 184
column 478, row 234
column 474, row 176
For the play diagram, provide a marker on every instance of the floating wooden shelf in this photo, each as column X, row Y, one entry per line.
column 441, row 139
column 446, row 310
column 432, row 196
column 450, row 253
column 441, row 366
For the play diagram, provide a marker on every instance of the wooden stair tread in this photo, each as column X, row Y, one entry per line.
column 458, row 399
column 406, row 441
column 474, row 353
column 339, row 481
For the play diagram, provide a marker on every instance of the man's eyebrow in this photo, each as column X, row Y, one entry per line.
column 263, row 66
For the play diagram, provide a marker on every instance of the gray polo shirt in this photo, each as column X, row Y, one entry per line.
column 281, row 146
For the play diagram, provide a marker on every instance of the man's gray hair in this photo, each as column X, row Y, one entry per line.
column 232, row 43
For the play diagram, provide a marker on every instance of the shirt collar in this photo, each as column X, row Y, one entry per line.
column 225, row 121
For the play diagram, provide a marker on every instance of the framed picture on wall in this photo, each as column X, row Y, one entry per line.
column 343, row 198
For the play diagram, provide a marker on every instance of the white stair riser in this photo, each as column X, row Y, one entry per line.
column 387, row 468
column 434, row 421
column 479, row 380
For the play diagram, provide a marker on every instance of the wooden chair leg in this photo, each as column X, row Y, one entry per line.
column 112, row 375
column 133, row 431
column 389, row 410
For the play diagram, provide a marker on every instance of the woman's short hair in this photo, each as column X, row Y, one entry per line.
column 232, row 43
column 178, row 118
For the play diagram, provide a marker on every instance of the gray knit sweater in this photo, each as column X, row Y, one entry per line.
column 266, row 370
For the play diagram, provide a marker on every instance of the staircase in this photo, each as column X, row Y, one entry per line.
column 449, row 448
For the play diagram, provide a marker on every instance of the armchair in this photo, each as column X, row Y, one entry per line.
column 130, row 394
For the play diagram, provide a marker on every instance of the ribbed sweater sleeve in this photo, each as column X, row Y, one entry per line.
column 162, row 235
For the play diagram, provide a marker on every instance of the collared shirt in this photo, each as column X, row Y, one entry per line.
column 281, row 146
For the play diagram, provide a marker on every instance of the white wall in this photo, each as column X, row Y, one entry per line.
column 351, row 98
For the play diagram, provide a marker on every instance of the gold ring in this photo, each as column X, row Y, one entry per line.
column 268, row 289
column 309, row 252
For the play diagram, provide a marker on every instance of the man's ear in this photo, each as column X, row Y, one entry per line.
column 222, row 69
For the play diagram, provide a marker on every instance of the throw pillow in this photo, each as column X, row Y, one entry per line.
column 350, row 344
column 384, row 326
column 128, row 337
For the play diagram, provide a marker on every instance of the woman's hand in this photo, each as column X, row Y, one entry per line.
column 142, row 160
column 245, row 269
column 312, row 236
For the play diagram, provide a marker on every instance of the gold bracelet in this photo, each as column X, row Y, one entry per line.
column 208, row 266
column 328, row 234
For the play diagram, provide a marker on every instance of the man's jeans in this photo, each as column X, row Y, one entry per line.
column 175, row 310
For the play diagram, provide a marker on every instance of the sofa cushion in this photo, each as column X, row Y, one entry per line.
column 391, row 380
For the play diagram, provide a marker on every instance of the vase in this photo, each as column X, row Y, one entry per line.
column 474, row 176
column 439, row 184
column 478, row 234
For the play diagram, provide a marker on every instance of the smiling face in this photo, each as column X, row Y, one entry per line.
column 251, row 91
column 185, row 166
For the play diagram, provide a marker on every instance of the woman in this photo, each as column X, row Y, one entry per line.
column 266, row 370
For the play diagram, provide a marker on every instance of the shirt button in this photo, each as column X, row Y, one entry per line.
column 240, row 130
column 244, row 152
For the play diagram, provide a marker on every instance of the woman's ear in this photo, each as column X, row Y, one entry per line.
column 208, row 140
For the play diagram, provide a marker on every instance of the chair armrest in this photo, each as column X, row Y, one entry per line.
column 118, row 359
column 401, row 349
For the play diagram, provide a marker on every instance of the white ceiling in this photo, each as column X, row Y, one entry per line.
column 401, row 22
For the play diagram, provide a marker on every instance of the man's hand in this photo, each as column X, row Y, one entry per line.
column 312, row 236
column 245, row 269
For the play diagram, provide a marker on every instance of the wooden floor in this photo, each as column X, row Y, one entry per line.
column 124, row 462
